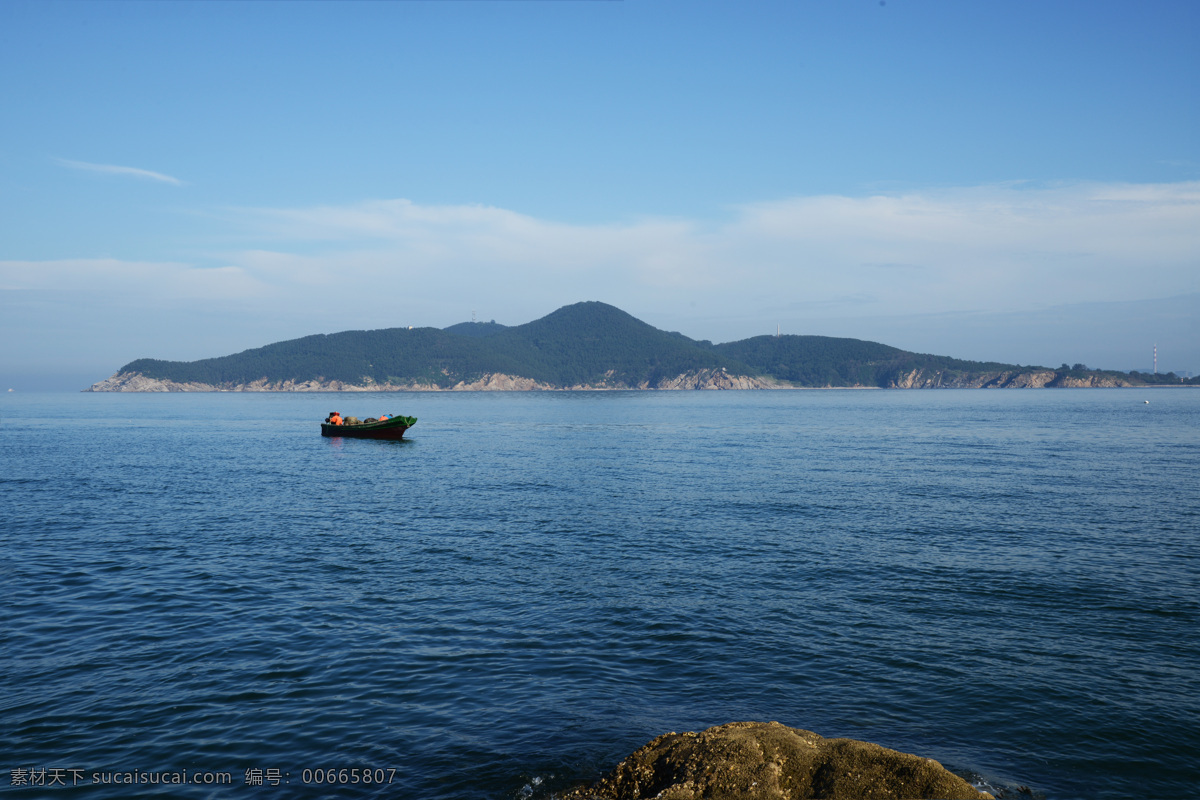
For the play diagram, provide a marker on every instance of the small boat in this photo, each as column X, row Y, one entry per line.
column 391, row 428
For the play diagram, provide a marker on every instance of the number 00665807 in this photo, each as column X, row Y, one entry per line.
column 354, row 775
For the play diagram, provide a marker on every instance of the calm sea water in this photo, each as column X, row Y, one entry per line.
column 534, row 585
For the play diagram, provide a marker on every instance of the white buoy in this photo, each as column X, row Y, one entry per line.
column 1147, row 402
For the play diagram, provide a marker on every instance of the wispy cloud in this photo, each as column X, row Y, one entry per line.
column 997, row 249
column 130, row 283
column 993, row 248
column 112, row 169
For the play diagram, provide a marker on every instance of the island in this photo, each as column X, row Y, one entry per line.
column 585, row 346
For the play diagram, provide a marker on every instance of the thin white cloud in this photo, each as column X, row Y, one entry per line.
column 994, row 248
column 110, row 281
column 112, row 169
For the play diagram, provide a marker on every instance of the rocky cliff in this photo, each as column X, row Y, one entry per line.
column 769, row 761
column 1010, row 379
column 708, row 379
column 492, row 382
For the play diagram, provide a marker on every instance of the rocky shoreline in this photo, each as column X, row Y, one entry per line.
column 1010, row 379
column 707, row 379
column 770, row 761
column 715, row 379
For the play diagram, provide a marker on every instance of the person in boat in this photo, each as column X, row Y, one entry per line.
column 382, row 417
column 335, row 418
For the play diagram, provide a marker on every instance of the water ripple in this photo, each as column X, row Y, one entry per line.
column 535, row 585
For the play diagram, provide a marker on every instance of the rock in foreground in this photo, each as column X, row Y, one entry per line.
column 767, row 760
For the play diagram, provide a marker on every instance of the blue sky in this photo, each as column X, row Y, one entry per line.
column 1014, row 181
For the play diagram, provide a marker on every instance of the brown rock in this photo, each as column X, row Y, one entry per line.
column 770, row 761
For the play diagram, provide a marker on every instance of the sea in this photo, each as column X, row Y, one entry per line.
column 200, row 596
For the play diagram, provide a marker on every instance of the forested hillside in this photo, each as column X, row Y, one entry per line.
column 393, row 355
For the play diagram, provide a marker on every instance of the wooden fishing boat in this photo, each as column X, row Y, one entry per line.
column 392, row 428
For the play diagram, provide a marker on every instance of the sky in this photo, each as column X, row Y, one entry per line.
column 1014, row 181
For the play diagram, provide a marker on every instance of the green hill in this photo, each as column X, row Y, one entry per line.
column 591, row 343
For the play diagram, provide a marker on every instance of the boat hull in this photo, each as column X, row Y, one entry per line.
column 388, row 429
